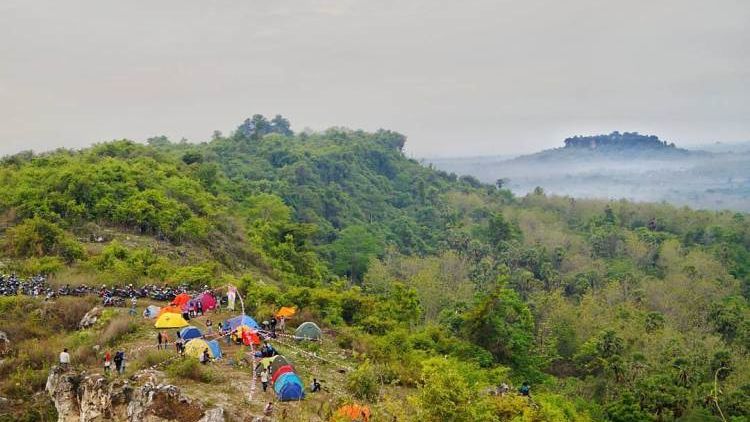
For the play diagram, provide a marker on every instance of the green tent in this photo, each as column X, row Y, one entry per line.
column 308, row 331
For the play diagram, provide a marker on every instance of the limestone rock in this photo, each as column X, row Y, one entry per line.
column 4, row 343
column 90, row 318
column 81, row 397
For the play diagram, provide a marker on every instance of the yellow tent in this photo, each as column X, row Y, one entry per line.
column 196, row 346
column 286, row 312
column 170, row 320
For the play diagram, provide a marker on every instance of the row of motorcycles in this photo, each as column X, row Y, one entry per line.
column 12, row 285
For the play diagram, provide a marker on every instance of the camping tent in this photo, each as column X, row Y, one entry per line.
column 264, row 364
column 277, row 363
column 170, row 309
column 190, row 332
column 249, row 336
column 286, row 312
column 214, row 349
column 196, row 346
column 170, row 320
column 151, row 311
column 235, row 322
column 281, row 371
column 289, row 387
column 207, row 300
column 181, row 300
column 308, row 331
column 353, row 412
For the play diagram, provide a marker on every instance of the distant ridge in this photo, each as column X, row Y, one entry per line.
column 620, row 141
column 616, row 145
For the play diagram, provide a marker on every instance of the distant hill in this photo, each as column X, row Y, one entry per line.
column 622, row 165
column 617, row 141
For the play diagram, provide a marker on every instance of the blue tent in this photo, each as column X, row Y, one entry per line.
column 242, row 320
column 189, row 333
column 289, row 387
column 151, row 311
column 215, row 349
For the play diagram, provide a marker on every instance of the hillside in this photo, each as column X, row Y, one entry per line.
column 431, row 288
column 622, row 166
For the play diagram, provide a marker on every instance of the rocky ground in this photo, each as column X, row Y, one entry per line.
column 83, row 393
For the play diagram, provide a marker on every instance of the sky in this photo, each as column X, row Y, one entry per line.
column 459, row 78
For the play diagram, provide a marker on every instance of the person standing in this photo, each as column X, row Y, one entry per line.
column 282, row 324
column 231, row 297
column 264, row 379
column 107, row 362
column 118, row 361
column 64, row 359
column 133, row 304
column 158, row 340
column 209, row 326
column 122, row 363
column 199, row 308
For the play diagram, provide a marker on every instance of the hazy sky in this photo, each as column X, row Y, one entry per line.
column 458, row 78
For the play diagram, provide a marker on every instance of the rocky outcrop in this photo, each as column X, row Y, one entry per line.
column 79, row 397
column 4, row 344
column 90, row 318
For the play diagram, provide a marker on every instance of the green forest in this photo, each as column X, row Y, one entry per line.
column 440, row 286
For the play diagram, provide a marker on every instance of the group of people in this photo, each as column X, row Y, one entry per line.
column 119, row 361
column 275, row 323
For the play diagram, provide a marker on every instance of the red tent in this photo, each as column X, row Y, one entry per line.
column 250, row 337
column 207, row 300
column 181, row 300
column 281, row 371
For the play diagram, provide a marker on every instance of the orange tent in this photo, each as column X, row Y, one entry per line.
column 286, row 312
column 353, row 412
column 181, row 300
column 170, row 309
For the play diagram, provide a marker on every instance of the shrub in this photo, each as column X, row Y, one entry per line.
column 37, row 237
column 191, row 369
column 154, row 357
column 363, row 383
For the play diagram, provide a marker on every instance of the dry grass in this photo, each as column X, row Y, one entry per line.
column 118, row 328
column 68, row 311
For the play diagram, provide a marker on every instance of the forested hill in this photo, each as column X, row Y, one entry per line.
column 439, row 286
column 620, row 141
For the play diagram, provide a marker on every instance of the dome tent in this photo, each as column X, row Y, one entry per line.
column 278, row 363
column 353, row 412
column 170, row 320
column 181, row 300
column 286, row 312
column 196, row 346
column 151, row 311
column 215, row 349
column 237, row 321
column 289, row 387
column 207, row 300
column 281, row 371
column 308, row 331
column 190, row 332
column 170, row 309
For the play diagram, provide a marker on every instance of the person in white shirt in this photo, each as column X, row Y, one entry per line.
column 64, row 359
column 264, row 379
